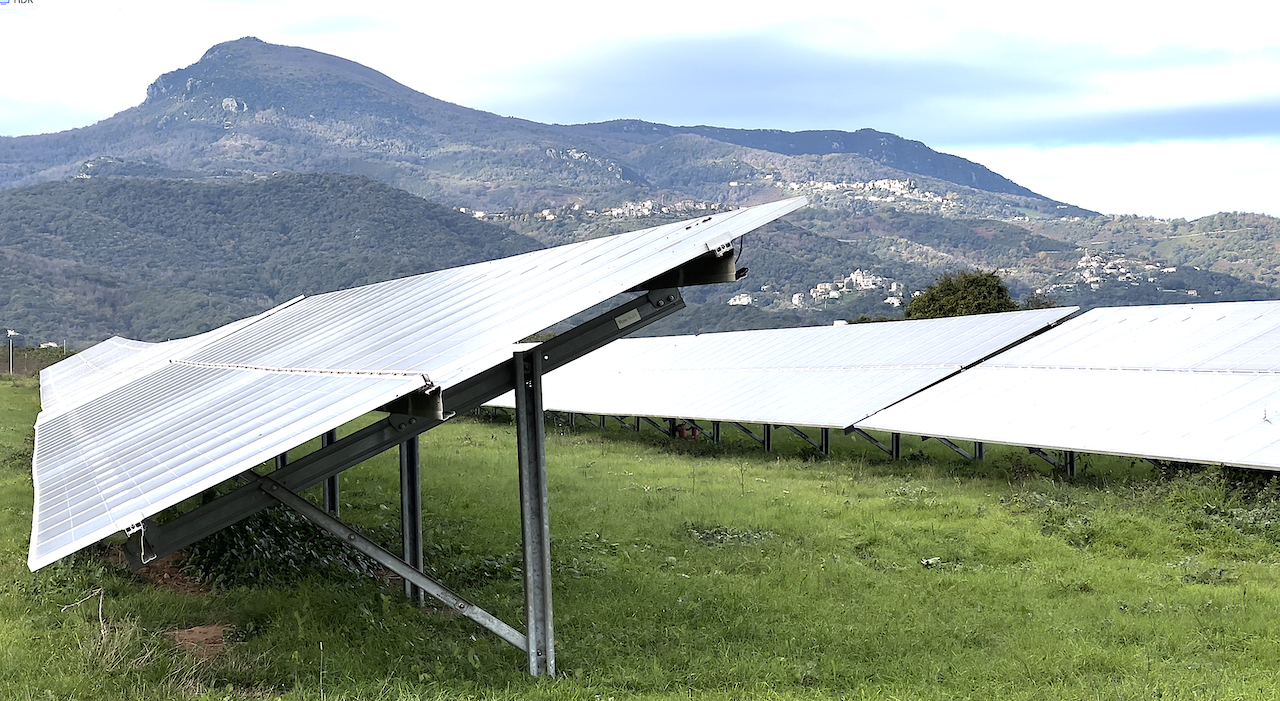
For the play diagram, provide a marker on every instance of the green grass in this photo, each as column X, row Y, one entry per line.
column 692, row 571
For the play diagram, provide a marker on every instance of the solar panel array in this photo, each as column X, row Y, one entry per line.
column 1193, row 383
column 129, row 429
column 828, row 376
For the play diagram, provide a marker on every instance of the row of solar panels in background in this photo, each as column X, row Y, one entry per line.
column 1195, row 383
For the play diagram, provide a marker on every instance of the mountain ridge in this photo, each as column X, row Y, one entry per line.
column 247, row 106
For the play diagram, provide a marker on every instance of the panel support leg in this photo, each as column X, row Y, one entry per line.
column 715, row 431
column 895, row 446
column 826, row 441
column 330, row 483
column 411, row 514
column 534, row 524
column 979, row 450
column 1069, row 460
column 768, row 438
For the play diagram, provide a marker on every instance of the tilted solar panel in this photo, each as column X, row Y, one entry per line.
column 131, row 429
column 828, row 376
column 1193, row 383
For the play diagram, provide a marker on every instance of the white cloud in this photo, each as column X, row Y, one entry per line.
column 1169, row 180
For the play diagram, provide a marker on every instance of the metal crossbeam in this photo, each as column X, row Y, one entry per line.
column 651, row 422
column 963, row 453
column 275, row 491
column 894, row 451
column 1067, row 464
column 747, row 431
column 824, row 449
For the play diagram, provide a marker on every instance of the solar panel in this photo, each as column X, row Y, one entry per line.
column 129, row 429
column 827, row 376
column 1194, row 383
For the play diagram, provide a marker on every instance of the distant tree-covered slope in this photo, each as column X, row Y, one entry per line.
column 154, row 259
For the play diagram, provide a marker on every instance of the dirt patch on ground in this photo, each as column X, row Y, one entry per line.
column 164, row 573
column 201, row 641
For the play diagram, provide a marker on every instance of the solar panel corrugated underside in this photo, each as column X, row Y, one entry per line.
column 829, row 376
column 1193, row 383
column 183, row 416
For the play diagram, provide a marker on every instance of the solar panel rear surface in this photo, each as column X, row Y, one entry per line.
column 829, row 376
column 1194, row 383
column 130, row 429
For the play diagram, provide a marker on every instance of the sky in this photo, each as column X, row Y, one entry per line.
column 1109, row 105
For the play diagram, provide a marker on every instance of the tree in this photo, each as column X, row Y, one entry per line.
column 957, row 294
column 1038, row 300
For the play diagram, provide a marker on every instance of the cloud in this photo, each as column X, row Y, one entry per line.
column 1019, row 95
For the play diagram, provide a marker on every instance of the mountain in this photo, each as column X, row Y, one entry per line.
column 154, row 259
column 212, row 198
column 249, row 107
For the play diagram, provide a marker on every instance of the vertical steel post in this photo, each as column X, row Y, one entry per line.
column 282, row 460
column 536, row 529
column 895, row 446
column 979, row 450
column 826, row 441
column 715, row 431
column 411, row 515
column 1069, row 461
column 768, row 438
column 330, row 484
column 671, row 428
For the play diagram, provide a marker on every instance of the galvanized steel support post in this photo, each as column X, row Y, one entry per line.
column 768, row 438
column 826, row 441
column 715, row 431
column 330, row 484
column 979, row 450
column 895, row 446
column 411, row 514
column 534, row 523
column 1069, row 460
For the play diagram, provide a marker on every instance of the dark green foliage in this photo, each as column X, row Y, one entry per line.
column 958, row 294
column 1038, row 300
column 159, row 259
column 276, row 547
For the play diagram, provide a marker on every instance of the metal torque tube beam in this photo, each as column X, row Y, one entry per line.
column 534, row 523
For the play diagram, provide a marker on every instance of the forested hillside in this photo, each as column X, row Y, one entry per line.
column 155, row 259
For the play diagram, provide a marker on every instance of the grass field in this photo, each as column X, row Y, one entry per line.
column 694, row 572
